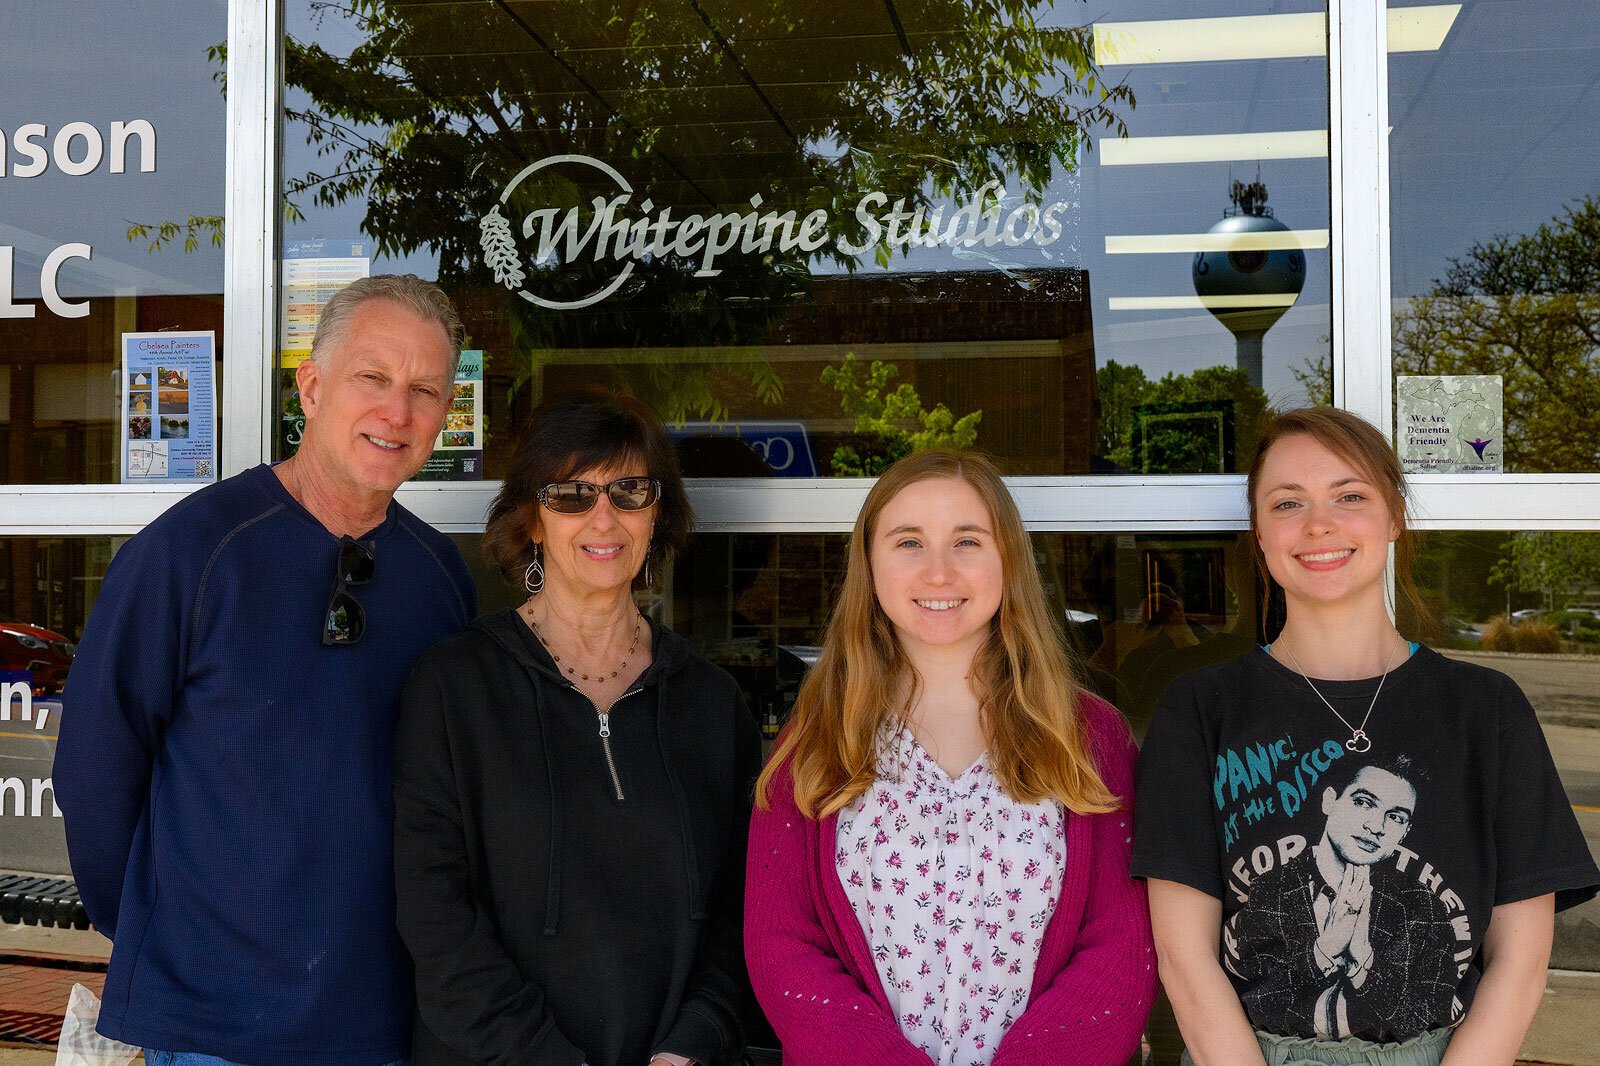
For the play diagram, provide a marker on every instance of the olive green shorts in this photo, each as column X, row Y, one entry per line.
column 1425, row 1050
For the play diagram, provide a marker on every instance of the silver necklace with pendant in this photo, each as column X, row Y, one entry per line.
column 1359, row 741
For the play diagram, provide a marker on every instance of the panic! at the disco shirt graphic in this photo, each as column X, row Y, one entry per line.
column 1341, row 929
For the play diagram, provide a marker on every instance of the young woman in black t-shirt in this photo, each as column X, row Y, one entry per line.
column 1354, row 845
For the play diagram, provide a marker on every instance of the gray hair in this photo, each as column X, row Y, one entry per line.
column 422, row 298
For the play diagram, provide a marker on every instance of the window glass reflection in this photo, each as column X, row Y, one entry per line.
column 1496, row 225
column 1087, row 240
column 1528, row 604
column 47, row 587
column 1140, row 609
column 111, row 158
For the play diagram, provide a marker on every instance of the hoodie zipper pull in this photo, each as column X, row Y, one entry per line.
column 605, row 746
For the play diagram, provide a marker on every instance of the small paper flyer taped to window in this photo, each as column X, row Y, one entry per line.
column 313, row 271
column 169, row 407
column 458, row 453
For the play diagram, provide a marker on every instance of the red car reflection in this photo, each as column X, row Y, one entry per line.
column 45, row 654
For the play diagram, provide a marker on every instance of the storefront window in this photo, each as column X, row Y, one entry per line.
column 1496, row 237
column 1528, row 604
column 47, row 586
column 111, row 173
column 1083, row 239
column 1140, row 609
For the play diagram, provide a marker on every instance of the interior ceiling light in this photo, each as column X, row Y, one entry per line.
column 1207, row 40
column 1209, row 303
column 1269, row 241
column 1214, row 147
column 1421, row 29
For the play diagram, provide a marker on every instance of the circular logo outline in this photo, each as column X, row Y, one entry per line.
column 622, row 183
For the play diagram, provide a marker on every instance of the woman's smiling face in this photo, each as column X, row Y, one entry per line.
column 1322, row 524
column 602, row 548
column 936, row 566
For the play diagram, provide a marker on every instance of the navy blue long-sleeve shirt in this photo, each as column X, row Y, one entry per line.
column 226, row 783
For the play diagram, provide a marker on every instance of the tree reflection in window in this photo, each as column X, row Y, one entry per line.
column 1525, row 307
column 702, row 105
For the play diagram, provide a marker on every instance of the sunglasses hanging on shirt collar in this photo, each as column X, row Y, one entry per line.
column 345, row 620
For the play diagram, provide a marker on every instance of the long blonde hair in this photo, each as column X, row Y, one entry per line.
column 1026, row 685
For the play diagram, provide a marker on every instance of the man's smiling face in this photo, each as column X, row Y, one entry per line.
column 376, row 403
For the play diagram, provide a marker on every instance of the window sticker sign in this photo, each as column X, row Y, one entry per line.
column 78, row 149
column 458, row 453
column 169, row 407
column 1450, row 423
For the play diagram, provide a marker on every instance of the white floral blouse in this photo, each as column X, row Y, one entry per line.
column 953, row 882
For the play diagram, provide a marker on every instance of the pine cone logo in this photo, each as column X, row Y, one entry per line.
column 500, row 249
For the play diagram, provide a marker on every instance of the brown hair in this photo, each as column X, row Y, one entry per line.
column 1359, row 443
column 1026, row 684
column 567, row 434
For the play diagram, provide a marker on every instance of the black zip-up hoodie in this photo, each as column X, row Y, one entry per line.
column 569, row 898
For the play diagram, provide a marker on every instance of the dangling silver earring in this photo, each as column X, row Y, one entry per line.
column 533, row 577
column 647, row 549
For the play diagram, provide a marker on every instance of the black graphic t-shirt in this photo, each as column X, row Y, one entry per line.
column 1355, row 885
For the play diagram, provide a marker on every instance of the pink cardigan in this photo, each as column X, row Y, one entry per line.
column 814, row 974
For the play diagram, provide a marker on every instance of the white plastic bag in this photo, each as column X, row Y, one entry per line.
column 80, row 1044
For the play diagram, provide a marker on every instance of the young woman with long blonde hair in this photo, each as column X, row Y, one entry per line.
column 939, row 857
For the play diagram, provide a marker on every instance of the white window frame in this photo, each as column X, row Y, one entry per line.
column 1359, row 186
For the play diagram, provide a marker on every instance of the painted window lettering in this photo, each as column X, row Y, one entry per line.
column 78, row 148
column 613, row 229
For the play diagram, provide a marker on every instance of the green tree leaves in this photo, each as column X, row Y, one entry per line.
column 1564, row 565
column 1165, row 426
column 894, row 419
column 1526, row 307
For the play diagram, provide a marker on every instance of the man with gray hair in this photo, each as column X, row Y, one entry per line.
column 224, row 755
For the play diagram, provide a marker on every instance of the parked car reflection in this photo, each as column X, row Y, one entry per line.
column 43, row 655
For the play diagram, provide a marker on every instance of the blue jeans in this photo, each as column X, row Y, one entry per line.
column 194, row 1058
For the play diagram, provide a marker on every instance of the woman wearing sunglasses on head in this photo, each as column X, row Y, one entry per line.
column 1355, row 846
column 571, row 780
column 939, row 858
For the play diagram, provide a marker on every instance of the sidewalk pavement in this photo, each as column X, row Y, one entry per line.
column 39, row 966
column 1567, row 1027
